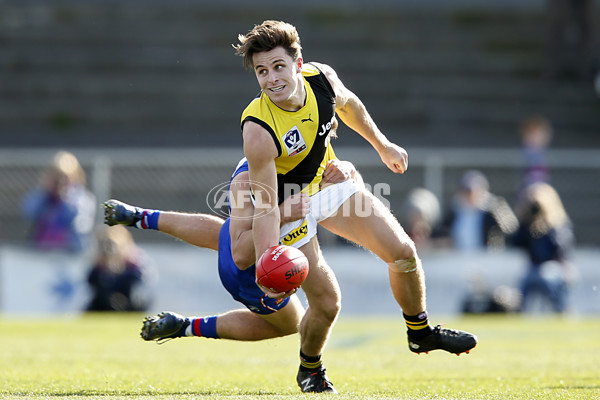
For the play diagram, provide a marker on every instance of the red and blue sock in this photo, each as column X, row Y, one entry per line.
column 148, row 219
column 203, row 327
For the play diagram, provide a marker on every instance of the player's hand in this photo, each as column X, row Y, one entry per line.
column 337, row 171
column 295, row 207
column 395, row 158
column 275, row 295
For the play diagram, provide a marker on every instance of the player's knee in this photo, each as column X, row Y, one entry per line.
column 404, row 251
column 405, row 265
column 406, row 261
column 329, row 310
column 334, row 311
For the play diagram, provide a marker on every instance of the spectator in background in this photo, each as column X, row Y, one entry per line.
column 119, row 276
column 61, row 209
column 536, row 134
column 420, row 216
column 546, row 234
column 478, row 219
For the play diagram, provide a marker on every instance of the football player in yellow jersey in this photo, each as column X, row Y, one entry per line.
column 281, row 151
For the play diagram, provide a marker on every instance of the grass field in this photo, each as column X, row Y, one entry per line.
column 102, row 357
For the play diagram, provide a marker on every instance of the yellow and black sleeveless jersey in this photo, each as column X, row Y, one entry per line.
column 301, row 137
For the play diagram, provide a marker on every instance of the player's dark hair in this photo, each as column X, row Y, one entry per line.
column 267, row 36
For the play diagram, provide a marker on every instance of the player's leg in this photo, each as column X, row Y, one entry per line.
column 365, row 220
column 201, row 230
column 241, row 324
column 320, row 286
column 324, row 304
column 324, row 301
column 244, row 324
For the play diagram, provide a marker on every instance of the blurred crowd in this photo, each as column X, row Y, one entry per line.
column 61, row 211
column 479, row 220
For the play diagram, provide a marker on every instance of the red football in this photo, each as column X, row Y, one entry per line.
column 282, row 268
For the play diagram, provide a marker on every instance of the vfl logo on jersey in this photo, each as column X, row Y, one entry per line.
column 296, row 234
column 294, row 142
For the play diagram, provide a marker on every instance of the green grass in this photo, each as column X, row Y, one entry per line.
column 102, row 357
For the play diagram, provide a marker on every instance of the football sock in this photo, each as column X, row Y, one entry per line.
column 148, row 219
column 203, row 327
column 309, row 362
column 418, row 325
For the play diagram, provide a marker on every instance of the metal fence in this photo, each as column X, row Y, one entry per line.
column 180, row 179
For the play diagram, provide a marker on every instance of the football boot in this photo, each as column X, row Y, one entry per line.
column 450, row 340
column 166, row 325
column 118, row 213
column 314, row 381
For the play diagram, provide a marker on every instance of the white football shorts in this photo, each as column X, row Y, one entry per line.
column 323, row 205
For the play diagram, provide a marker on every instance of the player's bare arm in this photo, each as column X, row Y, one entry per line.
column 354, row 114
column 260, row 151
column 242, row 211
column 240, row 225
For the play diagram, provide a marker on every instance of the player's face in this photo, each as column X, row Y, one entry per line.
column 278, row 75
